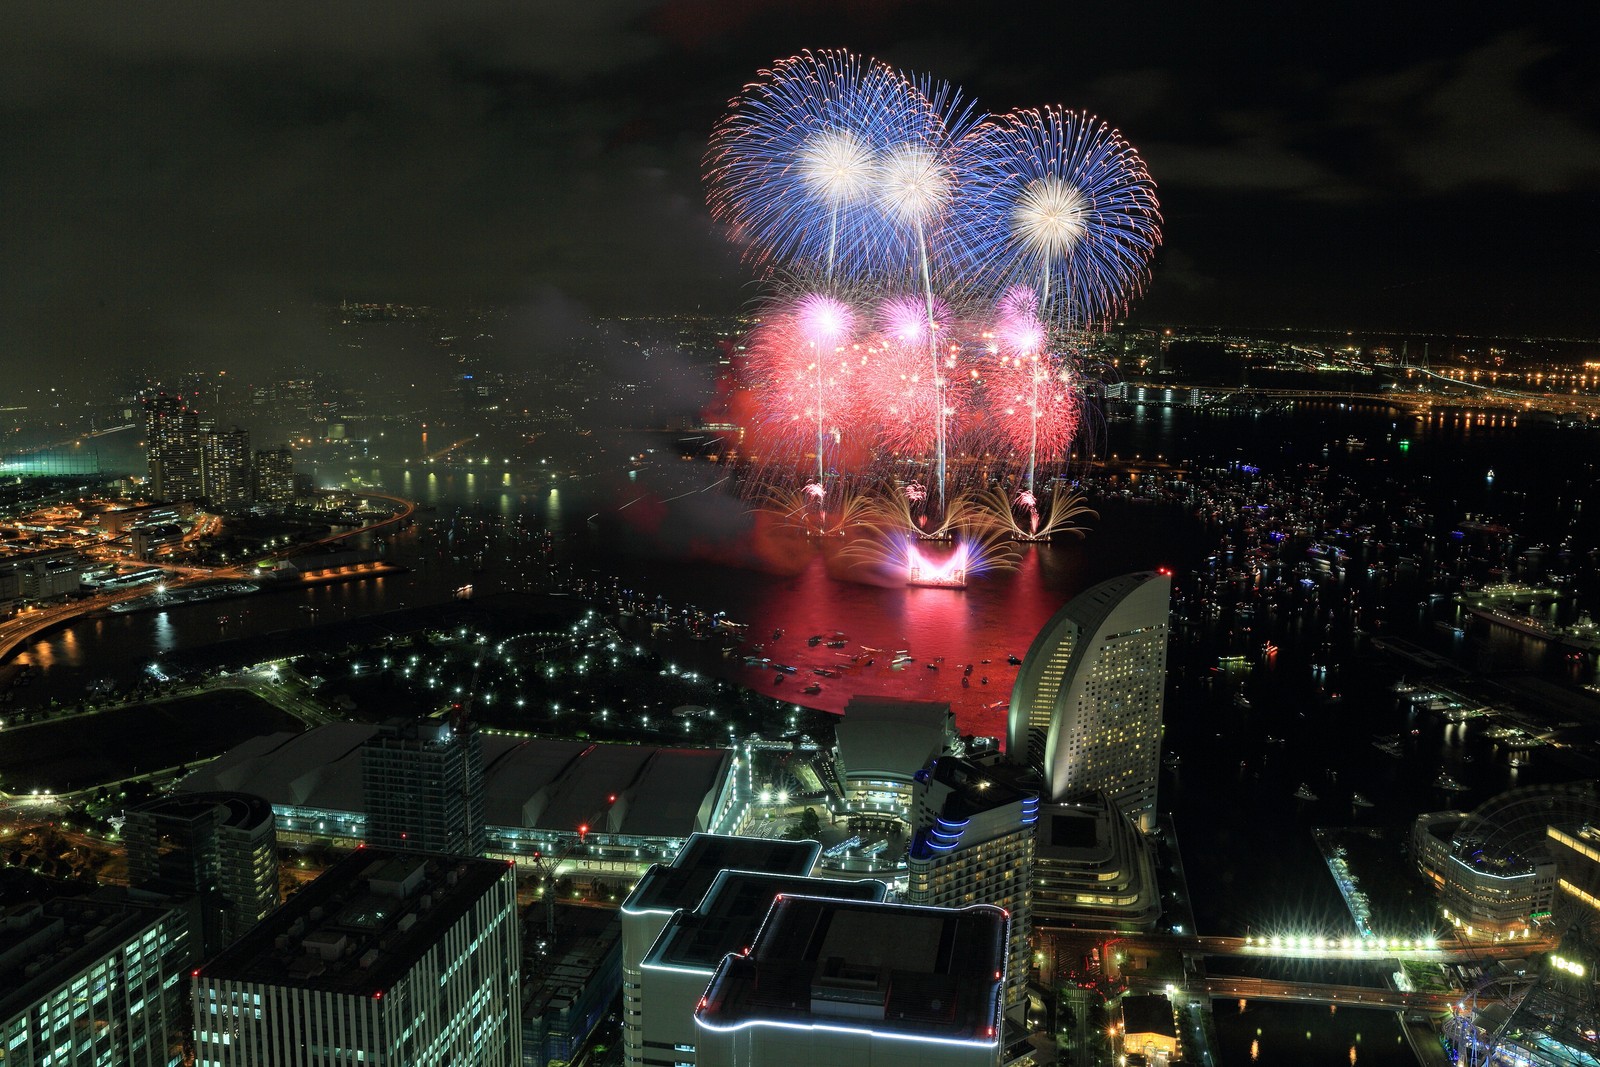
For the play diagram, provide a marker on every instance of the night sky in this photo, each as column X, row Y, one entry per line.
column 181, row 181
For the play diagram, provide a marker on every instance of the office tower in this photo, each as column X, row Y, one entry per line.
column 679, row 966
column 972, row 842
column 225, row 477
column 172, row 442
column 220, row 848
column 92, row 981
column 1092, row 869
column 666, row 889
column 1086, row 708
column 274, row 476
column 834, row 981
column 423, row 784
column 387, row 958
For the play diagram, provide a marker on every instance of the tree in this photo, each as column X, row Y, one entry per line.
column 810, row 824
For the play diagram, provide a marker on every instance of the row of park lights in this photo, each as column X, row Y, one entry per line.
column 1363, row 944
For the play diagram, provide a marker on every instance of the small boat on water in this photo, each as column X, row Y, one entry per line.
column 1304, row 792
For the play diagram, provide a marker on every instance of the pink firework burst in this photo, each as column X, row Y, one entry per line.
column 1032, row 403
column 800, row 369
column 906, row 381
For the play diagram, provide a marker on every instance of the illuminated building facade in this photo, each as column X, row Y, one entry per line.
column 423, row 784
column 274, row 476
column 1577, row 856
column 833, row 981
column 1149, row 1029
column 172, row 443
column 220, row 848
column 682, row 885
column 1515, row 860
column 387, row 958
column 1092, row 869
column 1086, row 707
column 972, row 842
column 92, row 982
column 225, row 476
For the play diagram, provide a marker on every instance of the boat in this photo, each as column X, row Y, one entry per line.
column 812, row 690
column 1304, row 792
column 1448, row 783
column 1360, row 801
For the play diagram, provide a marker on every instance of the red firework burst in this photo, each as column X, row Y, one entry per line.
column 1030, row 394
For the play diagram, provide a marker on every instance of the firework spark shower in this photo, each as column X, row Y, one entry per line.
column 932, row 275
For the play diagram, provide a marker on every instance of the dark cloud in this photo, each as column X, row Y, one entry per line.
column 181, row 180
column 1480, row 120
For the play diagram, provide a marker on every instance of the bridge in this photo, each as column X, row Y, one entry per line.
column 1305, row 947
column 1354, row 996
column 1443, row 392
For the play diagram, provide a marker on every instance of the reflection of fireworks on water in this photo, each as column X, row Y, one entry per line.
column 1062, row 514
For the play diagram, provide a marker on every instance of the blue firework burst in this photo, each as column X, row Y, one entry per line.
column 1058, row 201
column 795, row 168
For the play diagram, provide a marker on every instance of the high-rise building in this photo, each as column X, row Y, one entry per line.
column 423, row 786
column 220, row 848
column 836, row 981
column 225, row 476
column 680, row 964
column 387, row 958
column 93, row 981
column 1086, row 708
column 972, row 842
column 172, row 442
column 668, row 888
column 274, row 476
column 1092, row 869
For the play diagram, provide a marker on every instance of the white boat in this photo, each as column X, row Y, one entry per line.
column 1305, row 793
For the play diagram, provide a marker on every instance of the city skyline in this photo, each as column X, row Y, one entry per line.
column 191, row 180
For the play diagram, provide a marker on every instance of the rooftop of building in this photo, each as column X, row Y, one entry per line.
column 883, row 737
column 930, row 973
column 684, row 882
column 45, row 945
column 585, row 938
column 538, row 783
column 959, row 790
column 361, row 926
column 974, row 787
column 1150, row 1014
column 732, row 911
column 245, row 811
